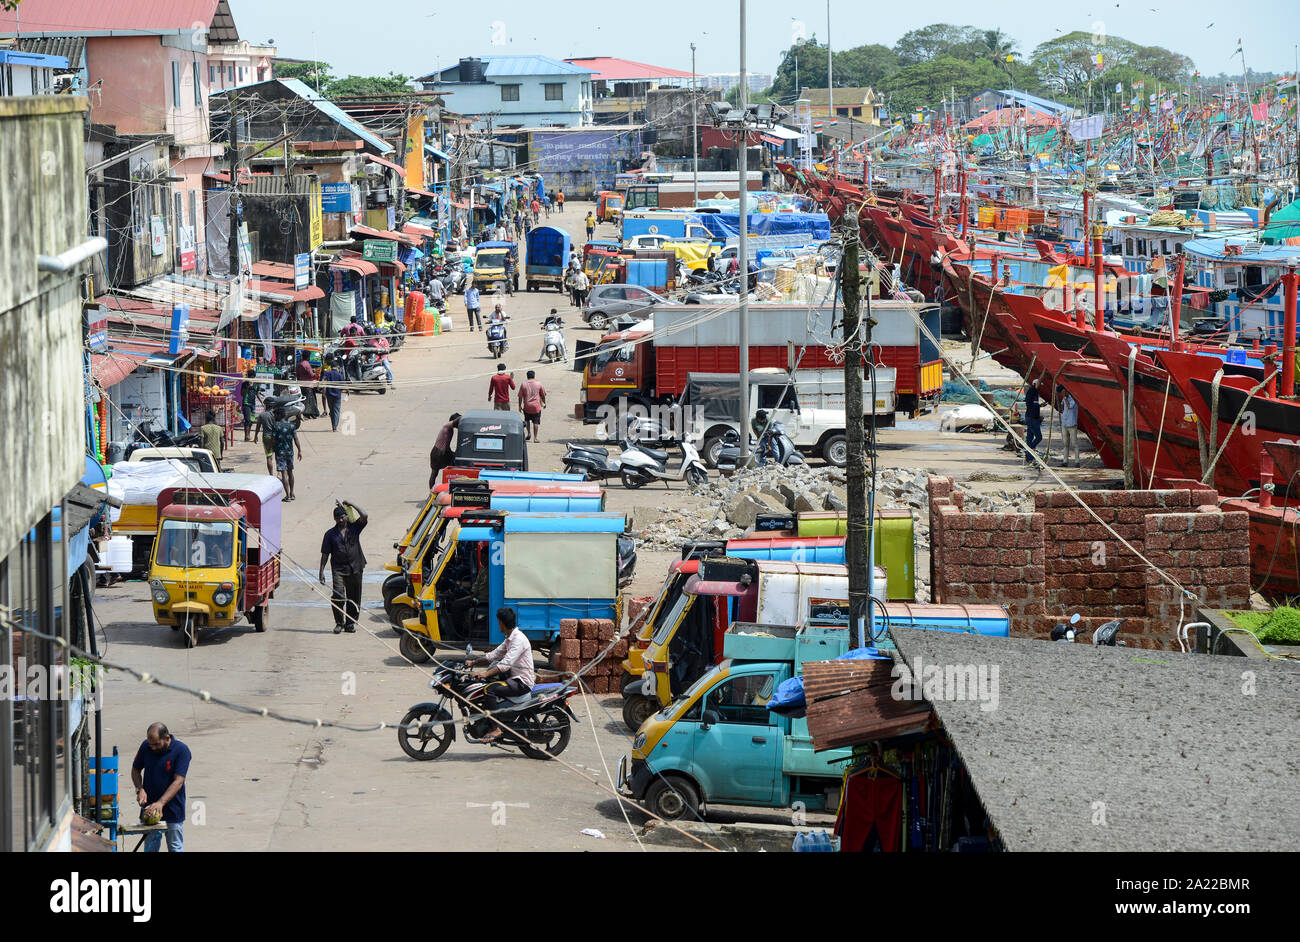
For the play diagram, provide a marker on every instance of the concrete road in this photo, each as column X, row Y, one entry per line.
column 259, row 784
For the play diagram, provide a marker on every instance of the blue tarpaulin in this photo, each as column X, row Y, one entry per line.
column 801, row 228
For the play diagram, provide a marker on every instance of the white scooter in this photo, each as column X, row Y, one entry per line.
column 641, row 465
column 553, row 346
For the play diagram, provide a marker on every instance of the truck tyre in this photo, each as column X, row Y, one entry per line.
column 412, row 648
column 835, row 450
column 599, row 320
column 709, row 451
column 639, row 708
column 672, row 797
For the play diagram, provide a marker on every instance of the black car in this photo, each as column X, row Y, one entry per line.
column 491, row 439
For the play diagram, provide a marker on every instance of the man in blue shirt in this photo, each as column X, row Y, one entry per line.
column 471, row 308
column 333, row 380
column 158, row 773
column 1033, row 420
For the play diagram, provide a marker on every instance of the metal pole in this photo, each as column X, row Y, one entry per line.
column 742, row 250
column 695, row 135
column 830, row 69
column 858, row 538
column 233, row 241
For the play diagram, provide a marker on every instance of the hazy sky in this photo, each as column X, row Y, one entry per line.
column 415, row 37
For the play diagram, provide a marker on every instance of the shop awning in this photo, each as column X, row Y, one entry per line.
column 280, row 271
column 419, row 230
column 109, row 369
column 282, row 292
column 433, row 151
column 358, row 265
column 401, row 171
column 418, row 192
column 369, row 233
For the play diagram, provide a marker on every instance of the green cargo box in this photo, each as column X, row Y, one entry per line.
column 895, row 545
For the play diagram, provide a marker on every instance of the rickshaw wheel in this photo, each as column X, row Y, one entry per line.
column 638, row 709
column 190, row 631
column 412, row 649
column 400, row 613
column 258, row 617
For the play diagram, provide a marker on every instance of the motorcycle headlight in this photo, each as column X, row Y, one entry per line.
column 222, row 597
column 639, row 742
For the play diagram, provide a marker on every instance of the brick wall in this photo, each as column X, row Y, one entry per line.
column 1059, row 560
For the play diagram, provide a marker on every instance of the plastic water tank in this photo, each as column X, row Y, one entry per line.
column 471, row 70
column 117, row 555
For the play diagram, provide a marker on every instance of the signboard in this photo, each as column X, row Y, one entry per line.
column 415, row 152
column 180, row 332
column 336, row 197
column 158, row 230
column 187, row 248
column 317, row 230
column 245, row 250
column 828, row 611
column 379, row 250
column 301, row 271
column 96, row 324
column 580, row 150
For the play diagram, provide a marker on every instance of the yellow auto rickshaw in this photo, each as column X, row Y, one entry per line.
column 216, row 553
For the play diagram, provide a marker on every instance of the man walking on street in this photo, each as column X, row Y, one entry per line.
column 212, row 435
column 499, row 387
column 1033, row 421
column 286, row 440
column 248, row 400
column 306, row 375
column 590, row 223
column 559, row 199
column 441, row 455
column 333, row 380
column 532, row 400
column 341, row 548
column 1070, row 429
column 158, row 774
column 471, row 308
column 580, row 288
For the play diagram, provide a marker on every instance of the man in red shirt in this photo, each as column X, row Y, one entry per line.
column 532, row 400
column 499, row 387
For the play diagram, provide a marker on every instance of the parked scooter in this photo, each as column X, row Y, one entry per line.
column 539, row 723
column 776, row 447
column 290, row 403
column 593, row 461
column 1106, row 636
column 497, row 341
column 642, row 465
column 363, row 370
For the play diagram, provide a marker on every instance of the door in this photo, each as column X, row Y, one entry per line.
column 738, row 758
column 639, row 301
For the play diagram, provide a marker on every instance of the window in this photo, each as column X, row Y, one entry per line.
column 230, row 73
column 843, row 111
column 554, row 91
column 176, row 84
column 743, row 699
column 1128, row 246
column 777, row 397
column 194, row 214
column 198, row 86
column 509, row 92
column 212, row 75
column 857, row 111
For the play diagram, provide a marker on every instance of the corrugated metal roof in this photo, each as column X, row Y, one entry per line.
column 529, row 65
column 71, row 48
column 64, row 17
column 325, row 106
column 1163, row 743
column 850, row 703
column 611, row 69
column 1036, row 103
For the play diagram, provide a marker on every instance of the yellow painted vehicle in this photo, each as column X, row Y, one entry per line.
column 216, row 553
column 490, row 266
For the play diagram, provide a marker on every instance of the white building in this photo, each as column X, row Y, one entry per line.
column 516, row 91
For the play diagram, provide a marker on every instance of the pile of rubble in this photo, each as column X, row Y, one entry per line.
column 734, row 502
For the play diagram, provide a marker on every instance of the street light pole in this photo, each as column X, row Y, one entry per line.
column 742, row 251
column 695, row 135
column 830, row 69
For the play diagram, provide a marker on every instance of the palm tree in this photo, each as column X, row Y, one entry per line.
column 999, row 46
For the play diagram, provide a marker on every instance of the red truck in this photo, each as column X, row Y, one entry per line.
column 649, row 368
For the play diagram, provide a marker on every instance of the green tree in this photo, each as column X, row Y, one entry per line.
column 865, row 66
column 390, row 84
column 311, row 73
column 935, row 40
column 804, row 62
column 928, row 83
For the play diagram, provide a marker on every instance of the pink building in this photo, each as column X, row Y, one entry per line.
column 148, row 69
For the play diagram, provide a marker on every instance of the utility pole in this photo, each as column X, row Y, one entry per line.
column 235, row 270
column 399, row 212
column 858, row 559
column 695, row 135
column 742, row 250
column 830, row 70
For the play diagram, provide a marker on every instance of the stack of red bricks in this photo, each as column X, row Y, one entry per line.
column 582, row 641
column 1059, row 560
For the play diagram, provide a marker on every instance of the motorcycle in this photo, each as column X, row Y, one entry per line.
column 155, row 435
column 775, row 443
column 553, row 347
column 642, row 465
column 496, row 337
column 539, row 723
column 707, row 281
column 364, row 370
column 1106, row 636
column 593, row 461
column 290, row 403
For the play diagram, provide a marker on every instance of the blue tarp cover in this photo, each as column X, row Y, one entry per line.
column 800, row 227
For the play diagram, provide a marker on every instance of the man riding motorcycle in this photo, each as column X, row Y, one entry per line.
column 513, row 659
column 554, row 322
